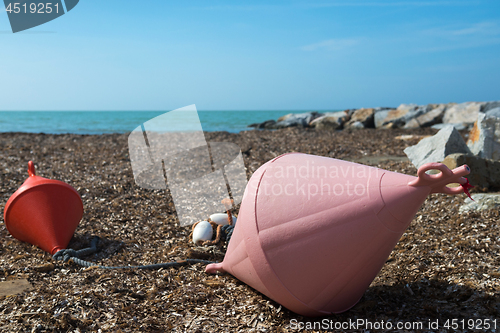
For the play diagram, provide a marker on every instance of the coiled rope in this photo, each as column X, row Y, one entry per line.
column 70, row 255
column 224, row 233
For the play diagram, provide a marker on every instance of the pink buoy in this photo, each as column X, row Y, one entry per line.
column 313, row 232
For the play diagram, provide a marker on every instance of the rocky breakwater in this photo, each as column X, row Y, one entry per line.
column 408, row 116
column 481, row 152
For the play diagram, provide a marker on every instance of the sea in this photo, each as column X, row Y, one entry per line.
column 102, row 122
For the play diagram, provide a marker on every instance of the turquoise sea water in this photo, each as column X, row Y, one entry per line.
column 99, row 122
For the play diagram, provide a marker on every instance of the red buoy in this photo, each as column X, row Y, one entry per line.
column 43, row 212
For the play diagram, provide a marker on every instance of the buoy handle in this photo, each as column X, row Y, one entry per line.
column 439, row 181
column 214, row 268
column 31, row 169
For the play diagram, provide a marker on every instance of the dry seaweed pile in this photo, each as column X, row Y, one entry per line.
column 444, row 267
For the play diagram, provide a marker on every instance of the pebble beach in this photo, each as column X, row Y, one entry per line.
column 444, row 267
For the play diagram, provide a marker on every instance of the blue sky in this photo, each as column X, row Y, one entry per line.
column 254, row 55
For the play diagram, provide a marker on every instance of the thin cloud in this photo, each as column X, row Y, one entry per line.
column 395, row 4
column 453, row 68
column 462, row 46
column 488, row 28
column 483, row 28
column 339, row 4
column 239, row 7
column 331, row 44
column 456, row 37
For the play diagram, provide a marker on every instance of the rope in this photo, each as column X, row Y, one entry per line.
column 70, row 255
column 224, row 233
column 67, row 254
column 227, row 232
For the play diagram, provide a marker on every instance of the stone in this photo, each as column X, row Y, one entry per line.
column 330, row 121
column 435, row 148
column 408, row 137
column 285, row 117
column 363, row 116
column 416, row 111
column 434, row 116
column 266, row 124
column 221, row 218
column 482, row 201
column 412, row 123
column 484, row 138
column 407, row 107
column 495, row 112
column 298, row 119
column 401, row 116
column 327, row 124
column 202, row 232
column 463, row 113
column 458, row 126
column 490, row 105
column 383, row 117
column 382, row 108
column 356, row 125
column 484, row 173
column 350, row 112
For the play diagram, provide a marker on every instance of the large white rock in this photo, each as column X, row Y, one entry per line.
column 435, row 148
column 463, row 113
column 484, row 138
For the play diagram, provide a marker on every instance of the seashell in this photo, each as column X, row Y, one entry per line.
column 221, row 218
column 202, row 232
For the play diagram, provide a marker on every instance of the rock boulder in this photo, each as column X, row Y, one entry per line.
column 363, row 116
column 434, row 116
column 330, row 121
column 384, row 117
column 495, row 112
column 462, row 113
column 484, row 173
column 490, row 105
column 435, row 148
column 484, row 138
